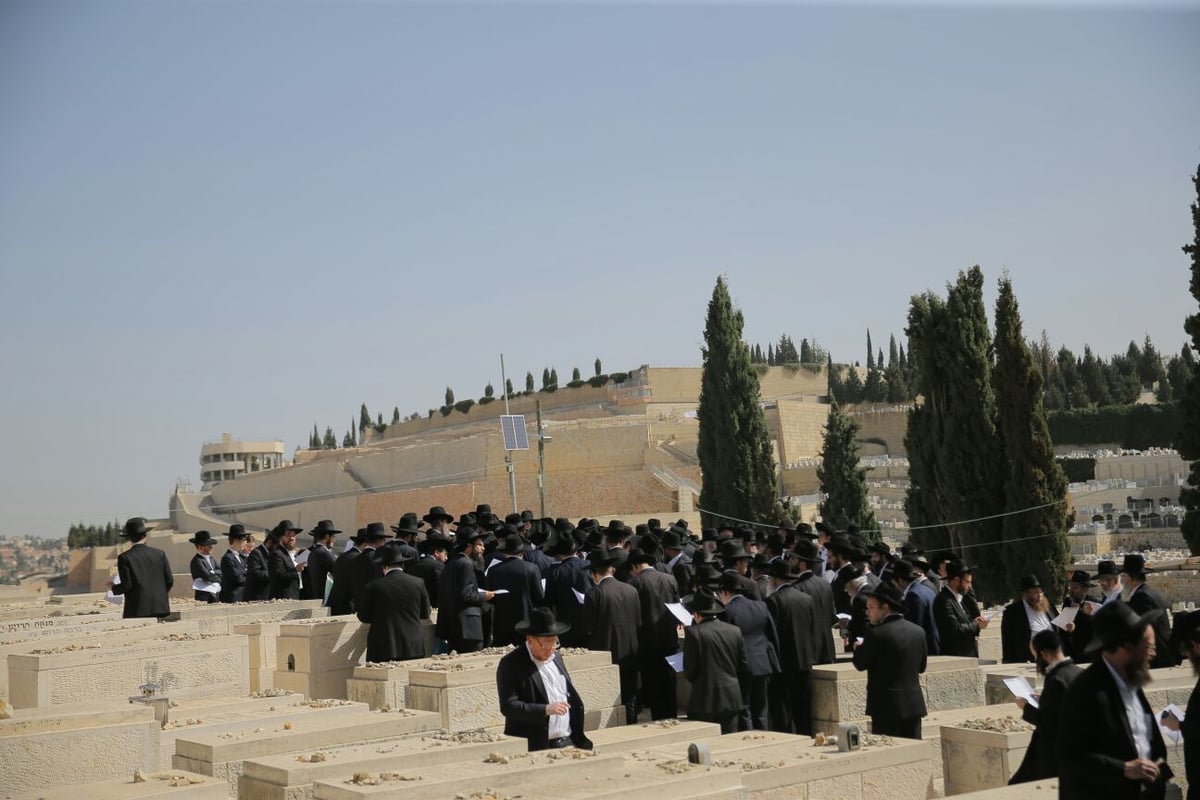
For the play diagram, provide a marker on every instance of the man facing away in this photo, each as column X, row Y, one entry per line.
column 893, row 656
column 143, row 574
column 394, row 607
column 714, row 661
column 320, row 560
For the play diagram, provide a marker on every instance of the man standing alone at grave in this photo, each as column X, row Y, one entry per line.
column 143, row 574
column 893, row 655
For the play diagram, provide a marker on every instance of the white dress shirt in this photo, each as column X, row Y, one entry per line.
column 1139, row 720
column 556, row 692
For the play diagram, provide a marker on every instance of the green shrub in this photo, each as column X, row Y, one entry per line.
column 464, row 405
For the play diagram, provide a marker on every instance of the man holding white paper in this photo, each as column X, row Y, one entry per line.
column 1046, row 713
column 1029, row 614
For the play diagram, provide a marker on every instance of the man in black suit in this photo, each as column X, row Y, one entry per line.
column 1030, row 613
column 957, row 632
column 893, row 655
column 753, row 619
column 432, row 552
column 1185, row 639
column 918, row 600
column 1079, row 630
column 678, row 562
column 567, row 585
column 460, row 600
column 366, row 567
column 714, row 661
column 657, row 634
column 736, row 560
column 1143, row 600
column 204, row 570
column 320, row 560
column 1113, row 748
column 612, row 615
column 794, row 614
column 282, row 571
column 537, row 698
column 406, row 531
column 233, row 565
column 518, row 588
column 144, row 576
column 839, row 552
column 1040, row 760
column 258, row 568
column 394, row 606
column 341, row 594
column 802, row 559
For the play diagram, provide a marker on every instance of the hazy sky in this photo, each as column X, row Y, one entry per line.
column 253, row 216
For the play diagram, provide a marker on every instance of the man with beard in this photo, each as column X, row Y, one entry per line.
column 1079, row 631
column 1114, row 749
column 1028, row 614
column 958, row 630
column 460, row 600
column 1186, row 638
column 1110, row 581
column 1047, row 716
column 1143, row 600
column 283, row 574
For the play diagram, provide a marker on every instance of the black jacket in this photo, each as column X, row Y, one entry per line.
column 1191, row 743
column 656, row 631
column 258, row 574
column 1014, row 632
column 341, row 596
column 957, row 632
column 146, row 582
column 794, row 615
column 612, row 615
column 363, row 570
column 202, row 571
column 1143, row 600
column 428, row 569
column 821, row 593
column 320, row 565
column 714, row 661
column 753, row 619
column 918, row 609
column 523, row 583
column 233, row 577
column 893, row 655
column 566, row 578
column 460, row 610
column 394, row 606
column 283, row 575
column 1092, row 757
column 1040, row 759
column 523, row 700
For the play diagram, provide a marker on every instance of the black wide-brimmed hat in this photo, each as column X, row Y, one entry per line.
column 704, row 604
column 135, row 527
column 806, row 530
column 202, row 538
column 841, row 545
column 324, row 528
column 779, row 569
column 541, row 622
column 880, row 549
column 672, row 539
column 465, row 534
column 438, row 514
column 1030, row 582
column 408, row 524
column 1080, row 577
column 393, row 554
column 639, row 556
column 730, row 581
column 1117, row 622
column 1107, row 568
column 901, row 569
column 512, row 544
column 376, row 531
column 957, row 568
column 601, row 558
column 237, row 531
column 1135, row 565
column 1186, row 628
column 806, row 550
column 434, row 540
column 885, row 593
column 284, row 526
column 734, row 550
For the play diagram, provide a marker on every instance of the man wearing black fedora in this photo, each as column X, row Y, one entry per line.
column 320, row 560
column 233, row 565
column 611, row 616
column 789, row 694
column 460, row 600
column 406, row 531
column 537, row 698
column 143, row 574
column 283, row 571
column 1030, row 613
column 1185, row 640
column 518, row 587
column 657, row 634
column 204, row 569
column 438, row 520
column 1078, row 633
column 1143, row 599
column 754, row 620
column 893, row 655
column 258, row 568
column 714, row 662
column 1113, row 748
column 958, row 631
column 568, row 582
column 394, row 607
column 366, row 567
column 803, row 559
column 341, row 594
column 432, row 553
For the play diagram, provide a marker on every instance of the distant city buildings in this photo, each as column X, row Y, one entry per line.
column 230, row 458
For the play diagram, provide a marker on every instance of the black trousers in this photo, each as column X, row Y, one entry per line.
column 790, row 703
column 753, row 715
column 901, row 728
column 658, row 685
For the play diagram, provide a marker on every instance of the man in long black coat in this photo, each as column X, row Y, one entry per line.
column 1106, row 754
column 958, row 632
column 1143, row 599
column 918, row 599
column 1185, row 638
column 394, row 607
column 753, row 619
column 460, row 601
column 657, row 634
column 537, row 698
column 258, row 569
column 366, row 567
column 612, row 615
column 283, row 573
column 803, row 558
column 794, row 613
column 714, row 661
column 320, row 560
column 1079, row 631
column 567, row 586
column 1041, row 760
column 233, row 565
column 203, row 567
column 893, row 656
column 432, row 552
column 518, row 588
column 341, row 596
column 144, row 574
column 1015, row 629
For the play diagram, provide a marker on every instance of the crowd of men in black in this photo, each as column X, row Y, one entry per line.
column 763, row 607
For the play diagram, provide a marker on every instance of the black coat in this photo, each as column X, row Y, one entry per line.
column 1092, row 756
column 1075, row 643
column 957, row 632
column 394, row 606
column 1144, row 600
column 753, row 619
column 539, row 559
column 794, row 613
column 284, row 576
column 258, row 574
column 714, row 661
column 341, row 596
column 1041, row 759
column 568, row 577
column 523, row 700
column 1191, row 743
column 612, row 615
column 684, row 573
column 893, row 655
column 825, row 617
column 657, row 628
column 841, row 598
column 918, row 609
column 363, row 570
column 460, row 610
column 203, row 571
column 428, row 569
column 320, row 565
column 523, row 583
column 1014, row 633
column 233, row 577
column 146, row 582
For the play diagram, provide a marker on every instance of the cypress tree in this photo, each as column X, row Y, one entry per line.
column 870, row 352
column 353, row 440
column 1034, row 480
column 545, row 377
column 597, row 365
column 553, row 376
column 364, row 417
column 575, row 374
column 314, row 441
column 1187, row 441
column 449, row 398
column 806, row 353
column 734, row 448
column 329, row 442
column 508, row 388
column 843, row 481
column 529, row 382
column 395, row 414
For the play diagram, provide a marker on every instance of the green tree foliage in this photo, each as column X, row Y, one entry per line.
column 545, row 377
column 529, row 382
column 853, row 389
column 314, row 441
column 599, row 370
column 489, row 391
column 955, row 454
column 449, row 396
column 329, row 442
column 553, row 376
column 508, row 387
column 364, row 418
column 353, row 439
column 1149, row 364
column 806, row 352
column 395, row 415
column 1034, row 484
column 1188, row 440
column 770, row 354
column 80, row 535
column 575, row 376
column 734, row 448
column 1132, row 426
column 786, row 352
column 843, row 481
column 346, row 440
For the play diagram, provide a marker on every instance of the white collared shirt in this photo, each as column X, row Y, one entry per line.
column 556, row 692
column 1038, row 620
column 1139, row 720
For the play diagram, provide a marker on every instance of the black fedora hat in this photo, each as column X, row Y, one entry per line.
column 237, row 531
column 438, row 514
column 806, row 530
column 511, row 544
column 467, row 519
column 284, row 526
column 482, row 509
column 880, row 549
column 595, row 540
column 639, row 556
column 806, row 550
column 733, row 550
column 465, row 534
column 408, row 524
column 1080, row 577
column 730, row 581
column 704, row 604
column 1116, row 623
column 392, row 554
column 1030, row 582
column 541, row 622
column 841, row 545
column 1108, row 568
column 135, row 527
column 1135, row 565
column 561, row 543
column 376, row 531
column 901, row 568
column 672, row 539
column 885, row 593
column 324, row 528
column 957, row 568
column 434, row 540
column 202, row 538
column 778, row 569
column 1185, row 628
column 600, row 559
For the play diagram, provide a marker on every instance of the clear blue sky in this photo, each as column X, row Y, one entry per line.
column 254, row 216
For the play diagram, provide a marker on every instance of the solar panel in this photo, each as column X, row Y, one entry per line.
column 512, row 427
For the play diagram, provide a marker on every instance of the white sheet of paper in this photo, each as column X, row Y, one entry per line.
column 1021, row 688
column 843, row 616
column 115, row 599
column 328, row 587
column 1065, row 617
column 302, row 557
column 543, row 585
column 1175, row 736
column 680, row 613
column 201, row 585
column 987, row 617
column 1093, row 605
column 499, row 591
column 858, row 640
column 676, row 661
column 580, row 596
column 349, row 544
column 491, row 564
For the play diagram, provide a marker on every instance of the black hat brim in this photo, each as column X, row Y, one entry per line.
column 556, row 629
column 1150, row 616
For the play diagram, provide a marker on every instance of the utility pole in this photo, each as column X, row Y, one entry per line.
column 508, row 459
column 542, row 439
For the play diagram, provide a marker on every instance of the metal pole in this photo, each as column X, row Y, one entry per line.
column 541, row 460
column 508, row 459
